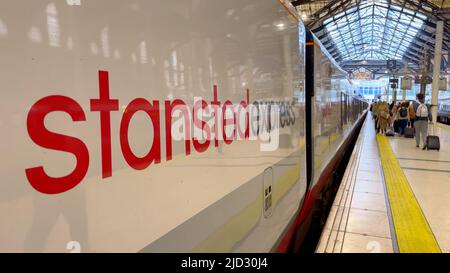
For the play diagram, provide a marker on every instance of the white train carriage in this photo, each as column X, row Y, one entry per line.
column 163, row 126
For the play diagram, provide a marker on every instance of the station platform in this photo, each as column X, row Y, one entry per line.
column 393, row 198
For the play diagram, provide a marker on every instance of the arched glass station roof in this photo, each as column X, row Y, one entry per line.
column 373, row 31
column 367, row 33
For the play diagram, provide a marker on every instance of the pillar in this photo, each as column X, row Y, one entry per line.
column 437, row 69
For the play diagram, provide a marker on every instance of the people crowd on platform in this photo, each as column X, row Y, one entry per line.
column 396, row 118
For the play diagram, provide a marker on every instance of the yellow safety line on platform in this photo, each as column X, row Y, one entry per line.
column 444, row 127
column 413, row 233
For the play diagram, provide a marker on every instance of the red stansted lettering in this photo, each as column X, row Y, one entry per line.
column 201, row 124
column 170, row 108
column 154, row 155
column 216, row 105
column 244, row 106
column 228, row 122
column 105, row 105
column 37, row 177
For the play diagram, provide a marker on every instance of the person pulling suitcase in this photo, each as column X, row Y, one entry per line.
column 423, row 115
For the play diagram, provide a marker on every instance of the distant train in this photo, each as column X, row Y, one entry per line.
column 443, row 114
column 166, row 126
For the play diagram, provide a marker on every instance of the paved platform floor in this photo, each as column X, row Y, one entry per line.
column 359, row 220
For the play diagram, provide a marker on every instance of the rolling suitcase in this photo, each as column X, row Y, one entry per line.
column 390, row 132
column 433, row 141
column 409, row 131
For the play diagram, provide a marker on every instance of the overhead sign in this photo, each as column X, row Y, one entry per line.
column 393, row 81
column 391, row 64
column 406, row 83
column 423, row 80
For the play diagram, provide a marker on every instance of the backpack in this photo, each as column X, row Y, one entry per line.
column 422, row 111
column 403, row 112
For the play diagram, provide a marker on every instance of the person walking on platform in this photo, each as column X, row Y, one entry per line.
column 375, row 113
column 423, row 115
column 383, row 117
column 402, row 117
column 374, row 109
column 393, row 112
column 391, row 106
column 412, row 113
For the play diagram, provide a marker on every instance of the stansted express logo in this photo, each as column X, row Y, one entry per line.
column 211, row 122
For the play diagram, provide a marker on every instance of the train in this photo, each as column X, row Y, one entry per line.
column 443, row 114
column 166, row 126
